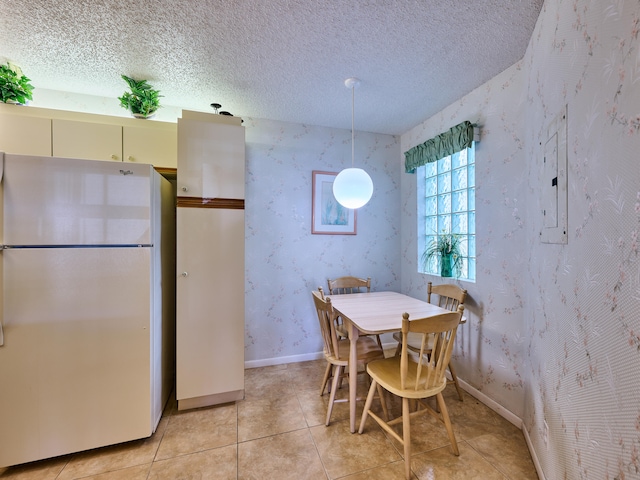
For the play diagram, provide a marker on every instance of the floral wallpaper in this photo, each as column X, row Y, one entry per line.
column 284, row 261
column 554, row 330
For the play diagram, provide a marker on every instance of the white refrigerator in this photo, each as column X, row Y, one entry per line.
column 87, row 306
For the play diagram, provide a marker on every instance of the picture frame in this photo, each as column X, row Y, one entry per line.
column 328, row 217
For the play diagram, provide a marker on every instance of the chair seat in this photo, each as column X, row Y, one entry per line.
column 367, row 350
column 386, row 371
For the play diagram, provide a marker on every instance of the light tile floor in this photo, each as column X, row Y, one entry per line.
column 278, row 432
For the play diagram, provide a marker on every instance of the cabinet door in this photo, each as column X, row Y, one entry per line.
column 210, row 159
column 25, row 135
column 154, row 144
column 91, row 141
column 209, row 302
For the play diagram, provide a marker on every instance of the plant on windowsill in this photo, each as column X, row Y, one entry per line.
column 142, row 101
column 446, row 248
column 14, row 85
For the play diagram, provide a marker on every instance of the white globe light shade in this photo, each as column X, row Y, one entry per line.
column 352, row 188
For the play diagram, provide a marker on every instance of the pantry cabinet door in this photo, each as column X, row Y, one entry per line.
column 91, row 141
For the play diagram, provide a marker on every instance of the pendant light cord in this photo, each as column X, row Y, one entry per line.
column 353, row 102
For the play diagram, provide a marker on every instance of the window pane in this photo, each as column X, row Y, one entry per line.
column 444, row 182
column 431, row 187
column 471, row 175
column 444, row 223
column 459, row 223
column 431, row 225
column 459, row 179
column 431, row 205
column 464, row 273
column 459, row 201
column 444, row 164
column 472, row 199
column 471, row 154
column 472, row 245
column 444, row 203
column 430, row 169
column 464, row 243
column 472, row 223
column 471, row 275
column 458, row 159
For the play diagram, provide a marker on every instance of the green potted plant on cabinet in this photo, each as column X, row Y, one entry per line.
column 142, row 101
column 14, row 85
column 447, row 249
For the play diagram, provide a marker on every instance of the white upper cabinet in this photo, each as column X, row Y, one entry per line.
column 24, row 134
column 151, row 142
column 91, row 141
column 60, row 133
column 211, row 156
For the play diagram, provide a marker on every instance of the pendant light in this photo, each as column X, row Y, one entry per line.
column 352, row 187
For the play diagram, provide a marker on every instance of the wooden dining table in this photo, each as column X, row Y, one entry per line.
column 375, row 313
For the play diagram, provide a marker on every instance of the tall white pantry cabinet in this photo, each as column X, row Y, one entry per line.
column 210, row 260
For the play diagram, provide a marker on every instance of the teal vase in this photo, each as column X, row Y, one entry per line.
column 446, row 265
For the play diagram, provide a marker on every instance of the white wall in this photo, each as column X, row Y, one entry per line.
column 284, row 261
column 554, row 333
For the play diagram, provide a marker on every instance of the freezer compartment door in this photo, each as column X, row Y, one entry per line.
column 64, row 201
column 75, row 365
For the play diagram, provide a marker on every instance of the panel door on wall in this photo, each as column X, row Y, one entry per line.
column 210, row 303
column 91, row 141
column 25, row 135
column 156, row 144
column 211, row 158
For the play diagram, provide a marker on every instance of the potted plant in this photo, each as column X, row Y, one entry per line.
column 14, row 86
column 447, row 249
column 142, row 101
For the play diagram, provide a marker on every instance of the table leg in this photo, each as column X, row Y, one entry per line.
column 353, row 375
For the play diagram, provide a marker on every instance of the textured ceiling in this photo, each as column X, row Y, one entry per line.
column 277, row 59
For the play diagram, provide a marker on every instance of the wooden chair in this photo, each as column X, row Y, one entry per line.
column 416, row 378
column 336, row 350
column 345, row 285
column 449, row 297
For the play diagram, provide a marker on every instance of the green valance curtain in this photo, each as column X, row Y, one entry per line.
column 454, row 140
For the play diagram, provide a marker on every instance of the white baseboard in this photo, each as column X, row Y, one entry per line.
column 492, row 404
column 534, row 456
column 267, row 362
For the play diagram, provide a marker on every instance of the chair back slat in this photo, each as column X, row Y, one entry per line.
column 348, row 284
column 327, row 319
column 449, row 295
column 438, row 335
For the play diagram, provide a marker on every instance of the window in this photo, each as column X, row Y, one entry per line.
column 446, row 193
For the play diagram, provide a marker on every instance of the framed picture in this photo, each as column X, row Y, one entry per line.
column 328, row 217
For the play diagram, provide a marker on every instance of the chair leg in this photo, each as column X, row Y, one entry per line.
column 325, row 380
column 447, row 423
column 406, row 437
column 383, row 402
column 455, row 381
column 398, row 350
column 367, row 404
column 336, row 376
column 379, row 342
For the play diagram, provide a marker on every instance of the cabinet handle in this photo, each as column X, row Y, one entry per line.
column 185, row 189
column 131, row 159
column 114, row 157
column 185, row 274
